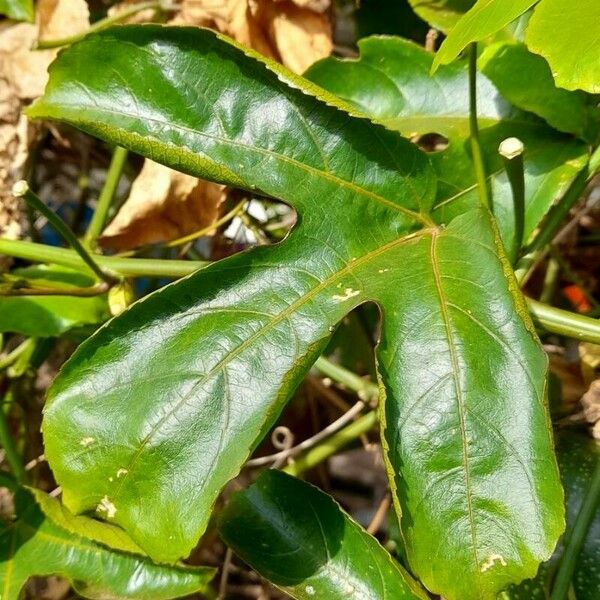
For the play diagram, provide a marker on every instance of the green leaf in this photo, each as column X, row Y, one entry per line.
column 34, row 545
column 160, row 408
column 567, row 35
column 390, row 82
column 50, row 316
column 483, row 20
column 577, row 458
column 441, row 14
column 97, row 531
column 526, row 81
column 20, row 10
column 297, row 537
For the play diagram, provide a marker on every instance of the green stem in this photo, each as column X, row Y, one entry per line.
column 113, row 175
column 21, row 190
column 576, row 538
column 80, row 292
column 7, row 442
column 12, row 357
column 126, row 267
column 564, row 322
column 98, row 26
column 550, row 281
column 312, row 457
column 474, row 130
column 511, row 151
column 366, row 390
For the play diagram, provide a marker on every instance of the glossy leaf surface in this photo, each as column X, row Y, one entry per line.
column 525, row 79
column 573, row 46
column 20, row 10
column 483, row 20
column 159, row 409
column 390, row 82
column 298, row 538
column 35, row 545
column 50, row 316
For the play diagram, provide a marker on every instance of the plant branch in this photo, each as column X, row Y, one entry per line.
column 309, row 442
column 12, row 357
column 576, row 538
column 21, row 190
column 126, row 267
column 7, row 442
column 205, row 230
column 83, row 292
column 474, row 130
column 365, row 390
column 113, row 175
column 333, row 444
column 511, row 151
column 564, row 322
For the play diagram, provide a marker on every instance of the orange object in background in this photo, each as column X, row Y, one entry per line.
column 576, row 296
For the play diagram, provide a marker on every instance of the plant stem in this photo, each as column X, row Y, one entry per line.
column 576, row 538
column 205, row 230
column 98, row 25
column 113, row 175
column 511, row 150
column 564, row 322
column 81, row 292
column 11, row 357
column 474, row 130
column 333, row 444
column 366, row 391
column 126, row 267
column 21, row 190
column 7, row 442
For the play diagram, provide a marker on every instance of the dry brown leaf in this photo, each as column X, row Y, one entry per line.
column 300, row 35
column 316, row 5
column 163, row 205
column 590, row 402
column 23, row 76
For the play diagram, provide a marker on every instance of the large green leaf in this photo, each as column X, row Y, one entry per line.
column 483, row 20
column 20, row 10
column 159, row 409
column 50, row 316
column 526, row 81
column 567, row 35
column 390, row 82
column 33, row 544
column 298, row 538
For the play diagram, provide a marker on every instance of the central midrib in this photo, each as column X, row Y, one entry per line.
column 270, row 325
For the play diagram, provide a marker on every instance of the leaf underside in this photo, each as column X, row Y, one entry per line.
column 34, row 545
column 159, row 409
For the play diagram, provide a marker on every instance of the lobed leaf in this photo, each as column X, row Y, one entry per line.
column 34, row 545
column 308, row 546
column 160, row 408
